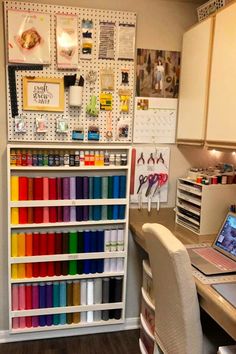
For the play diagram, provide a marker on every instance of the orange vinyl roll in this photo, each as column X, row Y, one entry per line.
column 30, row 188
column 28, row 244
column 21, row 244
column 30, row 215
column 21, row 270
column 28, row 270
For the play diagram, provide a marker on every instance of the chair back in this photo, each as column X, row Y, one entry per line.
column 177, row 316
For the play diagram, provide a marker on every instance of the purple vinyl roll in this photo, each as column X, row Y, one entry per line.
column 59, row 214
column 66, row 187
column 79, row 187
column 85, row 213
column 59, row 188
column 85, row 187
column 49, row 318
column 72, row 213
column 72, row 188
column 66, row 213
column 35, row 296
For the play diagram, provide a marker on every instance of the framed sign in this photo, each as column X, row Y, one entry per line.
column 43, row 94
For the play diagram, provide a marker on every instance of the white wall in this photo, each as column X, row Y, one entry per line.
column 160, row 25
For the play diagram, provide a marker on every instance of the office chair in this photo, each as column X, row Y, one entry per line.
column 177, row 316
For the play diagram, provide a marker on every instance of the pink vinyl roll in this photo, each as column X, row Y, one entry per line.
column 45, row 188
column 15, row 323
column 15, row 297
column 45, row 214
column 22, row 323
column 35, row 321
column 21, row 297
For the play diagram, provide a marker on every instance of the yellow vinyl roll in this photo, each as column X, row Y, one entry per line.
column 76, row 300
column 14, row 188
column 21, row 270
column 15, row 216
column 14, row 271
column 21, row 244
column 14, row 245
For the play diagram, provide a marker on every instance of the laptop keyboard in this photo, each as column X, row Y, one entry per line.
column 216, row 258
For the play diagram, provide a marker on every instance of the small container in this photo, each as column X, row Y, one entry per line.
column 214, row 180
column 61, row 158
column 13, row 157
column 77, row 158
column 51, row 158
column 81, row 158
column 112, row 160
column 45, row 158
column 72, row 158
column 57, row 158
column 117, row 160
column 91, row 158
column 86, row 158
column 123, row 159
column 101, row 158
column 106, row 158
column 97, row 158
column 24, row 158
column 29, row 158
column 34, row 158
column 66, row 158
column 40, row 158
column 224, row 179
column 199, row 179
column 18, row 158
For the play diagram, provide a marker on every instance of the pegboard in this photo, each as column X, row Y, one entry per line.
column 76, row 116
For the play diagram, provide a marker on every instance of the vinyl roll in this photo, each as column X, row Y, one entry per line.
column 83, row 316
column 79, row 187
column 21, row 270
column 28, row 244
column 42, row 295
column 45, row 214
column 42, row 243
column 86, row 187
column 15, row 216
column 35, row 296
column 120, row 264
column 66, row 188
column 118, row 296
column 85, row 212
column 120, row 240
column 28, row 296
column 28, row 321
column 69, row 296
column 72, row 188
column 35, row 244
column 59, row 188
column 43, row 269
column 79, row 213
column 107, row 240
column 56, row 302
column 97, row 187
column 30, row 219
column 83, row 292
column 21, row 244
column 105, row 297
column 110, row 195
column 97, row 291
column 93, row 240
column 122, row 186
column 100, row 241
column 51, row 243
column 23, row 188
column 97, row 212
column 115, row 194
column 90, row 197
column 104, row 196
column 62, row 301
column 49, row 294
column 80, row 237
column 30, row 197
column 35, row 321
column 53, row 214
column 65, row 242
column 76, row 300
column 87, row 238
column 90, row 291
column 14, row 271
column 23, row 215
column 72, row 213
column 35, row 270
column 113, row 265
column 121, row 212
column 52, row 181
column 15, row 322
column 99, row 265
column 89, row 316
column 38, row 188
column 58, row 243
column 38, row 215
column 14, row 188
column 15, row 297
column 114, row 240
column 64, row 268
column 57, row 268
column 14, row 244
column 72, row 267
column 22, row 322
column 73, row 242
column 107, row 266
column 45, row 188
column 66, row 213
column 42, row 320
column 29, row 270
column 51, row 269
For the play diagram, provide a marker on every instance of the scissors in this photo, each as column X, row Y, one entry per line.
column 162, row 179
column 152, row 179
column 142, row 181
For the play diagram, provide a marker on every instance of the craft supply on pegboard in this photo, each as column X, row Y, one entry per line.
column 155, row 120
column 84, row 117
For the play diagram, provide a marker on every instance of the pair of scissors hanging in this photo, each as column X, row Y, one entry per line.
column 152, row 180
column 162, row 179
column 142, row 181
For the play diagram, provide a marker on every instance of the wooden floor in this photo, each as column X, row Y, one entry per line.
column 125, row 342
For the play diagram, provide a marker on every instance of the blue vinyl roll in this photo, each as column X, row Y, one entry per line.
column 122, row 191
column 42, row 295
column 62, row 301
column 42, row 320
column 86, row 266
column 97, row 212
column 93, row 241
column 116, row 187
column 93, row 266
column 87, row 241
column 100, row 265
column 121, row 213
column 49, row 320
column 97, row 187
column 100, row 241
column 115, row 213
column 90, row 197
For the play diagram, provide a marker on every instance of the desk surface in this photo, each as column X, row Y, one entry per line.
column 217, row 307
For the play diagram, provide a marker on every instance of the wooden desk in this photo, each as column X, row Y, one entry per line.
column 217, row 307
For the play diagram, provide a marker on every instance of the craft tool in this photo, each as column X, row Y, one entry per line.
column 162, row 179
column 152, row 180
column 142, row 181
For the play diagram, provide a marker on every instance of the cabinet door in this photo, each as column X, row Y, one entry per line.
column 221, row 124
column 194, row 82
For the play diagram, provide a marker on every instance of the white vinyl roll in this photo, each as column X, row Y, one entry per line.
column 120, row 264
column 90, row 287
column 114, row 239
column 107, row 240
column 90, row 316
column 113, row 264
column 83, row 316
column 83, row 292
column 120, row 240
column 107, row 267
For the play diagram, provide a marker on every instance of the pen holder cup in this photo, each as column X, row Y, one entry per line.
column 75, row 96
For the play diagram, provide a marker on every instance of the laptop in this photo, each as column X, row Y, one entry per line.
column 220, row 258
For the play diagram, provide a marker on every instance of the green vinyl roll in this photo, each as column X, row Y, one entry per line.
column 72, row 267
column 80, row 267
column 73, row 242
column 80, row 240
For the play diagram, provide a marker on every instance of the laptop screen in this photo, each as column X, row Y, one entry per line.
column 226, row 239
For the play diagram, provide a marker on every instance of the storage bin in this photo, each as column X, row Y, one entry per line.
column 147, row 280
column 146, row 336
column 148, row 311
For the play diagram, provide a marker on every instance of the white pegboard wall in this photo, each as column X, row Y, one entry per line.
column 77, row 116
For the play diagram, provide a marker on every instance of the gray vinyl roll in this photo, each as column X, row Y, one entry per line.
column 97, row 298
column 83, row 292
column 105, row 297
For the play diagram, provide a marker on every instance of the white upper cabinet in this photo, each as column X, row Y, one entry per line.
column 221, row 124
column 194, row 82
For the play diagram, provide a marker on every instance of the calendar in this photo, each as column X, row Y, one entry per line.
column 155, row 120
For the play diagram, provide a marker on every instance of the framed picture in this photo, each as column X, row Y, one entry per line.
column 43, row 94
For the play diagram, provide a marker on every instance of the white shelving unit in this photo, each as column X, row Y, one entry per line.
column 32, row 171
column 202, row 208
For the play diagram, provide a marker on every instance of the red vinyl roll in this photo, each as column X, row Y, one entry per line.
column 30, row 215
column 38, row 215
column 23, row 188
column 38, row 188
column 43, row 271
column 57, row 268
column 28, row 321
column 30, row 188
column 43, row 244
column 50, row 267
column 36, row 244
column 52, row 188
column 28, row 270
column 28, row 297
column 23, row 215
column 59, row 188
column 58, row 243
column 51, row 243
column 59, row 214
column 36, row 270
column 53, row 214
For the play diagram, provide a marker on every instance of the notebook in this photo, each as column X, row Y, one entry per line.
column 220, row 258
column 227, row 290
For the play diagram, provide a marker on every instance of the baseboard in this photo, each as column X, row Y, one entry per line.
column 130, row 323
